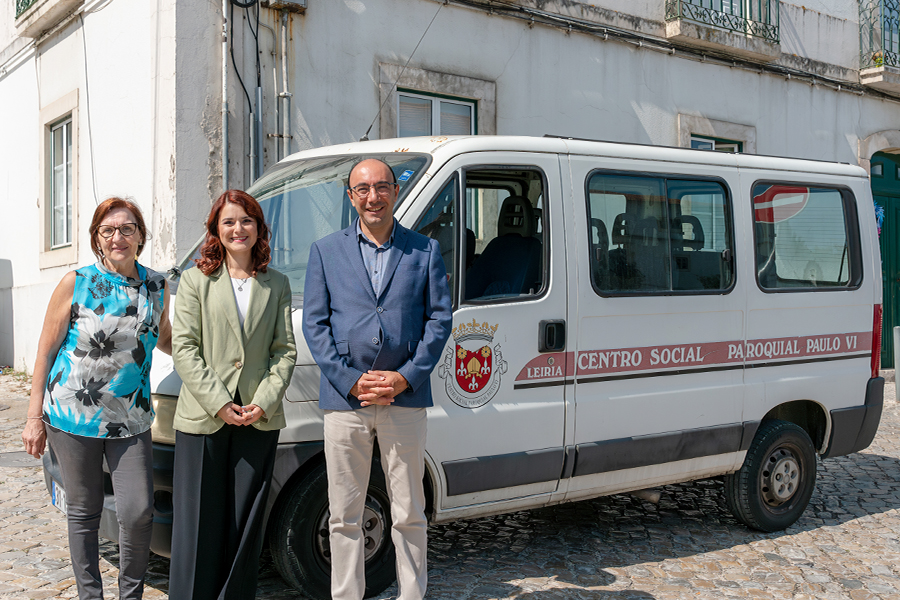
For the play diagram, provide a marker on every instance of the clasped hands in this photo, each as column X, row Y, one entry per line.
column 235, row 414
column 378, row 387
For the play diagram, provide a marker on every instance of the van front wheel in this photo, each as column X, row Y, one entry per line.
column 773, row 487
column 298, row 535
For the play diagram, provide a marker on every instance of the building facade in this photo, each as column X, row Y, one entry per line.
column 166, row 102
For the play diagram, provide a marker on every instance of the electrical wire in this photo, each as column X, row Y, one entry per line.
column 388, row 95
column 87, row 106
column 233, row 63
column 255, row 34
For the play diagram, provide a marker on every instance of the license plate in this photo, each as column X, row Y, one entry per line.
column 58, row 496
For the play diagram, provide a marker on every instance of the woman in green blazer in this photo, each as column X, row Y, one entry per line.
column 233, row 347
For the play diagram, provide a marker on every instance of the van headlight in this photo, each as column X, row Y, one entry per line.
column 162, row 430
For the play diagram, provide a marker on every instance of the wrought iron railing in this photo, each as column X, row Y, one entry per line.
column 22, row 6
column 758, row 18
column 879, row 33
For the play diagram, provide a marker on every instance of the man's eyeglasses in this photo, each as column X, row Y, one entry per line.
column 126, row 229
column 382, row 188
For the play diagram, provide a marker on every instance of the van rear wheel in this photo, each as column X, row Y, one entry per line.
column 298, row 536
column 776, row 481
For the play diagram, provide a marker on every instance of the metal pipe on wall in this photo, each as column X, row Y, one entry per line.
column 253, row 174
column 259, row 134
column 224, row 95
column 285, row 95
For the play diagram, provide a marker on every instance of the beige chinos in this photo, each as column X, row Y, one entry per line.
column 349, row 441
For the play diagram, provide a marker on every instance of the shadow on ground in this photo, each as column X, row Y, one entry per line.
column 576, row 544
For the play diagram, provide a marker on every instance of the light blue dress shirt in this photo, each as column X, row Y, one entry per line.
column 374, row 256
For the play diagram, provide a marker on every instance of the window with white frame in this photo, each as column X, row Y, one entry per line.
column 422, row 114
column 60, row 196
column 58, row 183
column 708, row 143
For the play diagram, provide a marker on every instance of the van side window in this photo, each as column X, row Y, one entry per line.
column 439, row 223
column 506, row 240
column 802, row 237
column 658, row 234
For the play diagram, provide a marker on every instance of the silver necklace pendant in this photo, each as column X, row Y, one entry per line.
column 242, row 280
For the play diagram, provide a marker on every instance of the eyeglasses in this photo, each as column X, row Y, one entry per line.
column 382, row 188
column 126, row 229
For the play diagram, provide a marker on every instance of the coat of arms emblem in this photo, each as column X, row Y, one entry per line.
column 472, row 368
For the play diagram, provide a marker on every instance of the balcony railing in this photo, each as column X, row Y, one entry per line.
column 879, row 33
column 758, row 18
column 22, row 6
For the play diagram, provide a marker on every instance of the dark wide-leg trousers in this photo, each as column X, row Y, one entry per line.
column 130, row 463
column 220, row 486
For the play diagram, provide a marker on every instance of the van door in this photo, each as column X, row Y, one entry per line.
column 810, row 318
column 501, row 228
column 657, row 395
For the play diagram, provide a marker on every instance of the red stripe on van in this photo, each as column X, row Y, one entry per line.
column 548, row 367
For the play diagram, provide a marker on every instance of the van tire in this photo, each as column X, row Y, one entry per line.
column 298, row 535
column 772, row 488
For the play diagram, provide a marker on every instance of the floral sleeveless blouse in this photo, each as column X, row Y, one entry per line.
column 99, row 385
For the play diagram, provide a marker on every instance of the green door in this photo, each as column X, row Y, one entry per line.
column 886, row 192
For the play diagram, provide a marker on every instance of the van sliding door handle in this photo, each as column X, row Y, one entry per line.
column 552, row 335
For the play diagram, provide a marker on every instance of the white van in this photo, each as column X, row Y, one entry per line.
column 624, row 317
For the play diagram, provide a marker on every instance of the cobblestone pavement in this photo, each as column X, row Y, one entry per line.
column 846, row 545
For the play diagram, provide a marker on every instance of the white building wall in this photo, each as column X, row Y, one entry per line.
column 106, row 59
column 150, row 124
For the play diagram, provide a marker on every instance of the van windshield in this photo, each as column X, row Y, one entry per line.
column 305, row 200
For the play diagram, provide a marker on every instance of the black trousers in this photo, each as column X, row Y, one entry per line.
column 221, row 483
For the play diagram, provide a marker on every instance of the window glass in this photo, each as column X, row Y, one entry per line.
column 422, row 115
column 653, row 234
column 456, row 119
column 704, row 143
column 506, row 238
column 801, row 237
column 439, row 223
column 305, row 200
column 415, row 116
column 700, row 234
column 61, row 184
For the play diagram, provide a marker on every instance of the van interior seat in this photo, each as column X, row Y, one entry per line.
column 650, row 251
column 511, row 263
column 599, row 253
column 698, row 240
column 694, row 268
column 621, row 269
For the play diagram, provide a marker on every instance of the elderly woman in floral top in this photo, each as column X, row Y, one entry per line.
column 90, row 395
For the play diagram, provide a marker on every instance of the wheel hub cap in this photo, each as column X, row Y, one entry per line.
column 781, row 477
column 373, row 527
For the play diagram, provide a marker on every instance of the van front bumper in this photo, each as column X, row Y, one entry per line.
column 854, row 428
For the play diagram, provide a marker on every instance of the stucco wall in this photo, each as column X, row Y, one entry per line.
column 113, row 143
column 150, row 115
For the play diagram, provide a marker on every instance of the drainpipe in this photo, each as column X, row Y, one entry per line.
column 258, row 132
column 224, row 95
column 285, row 95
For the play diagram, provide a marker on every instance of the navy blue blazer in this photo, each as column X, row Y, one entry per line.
column 350, row 331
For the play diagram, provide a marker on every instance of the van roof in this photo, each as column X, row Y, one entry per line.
column 447, row 146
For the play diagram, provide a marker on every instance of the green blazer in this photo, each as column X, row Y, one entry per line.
column 215, row 358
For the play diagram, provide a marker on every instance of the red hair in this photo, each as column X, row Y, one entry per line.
column 104, row 209
column 212, row 253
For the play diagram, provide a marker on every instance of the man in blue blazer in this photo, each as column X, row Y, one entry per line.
column 376, row 316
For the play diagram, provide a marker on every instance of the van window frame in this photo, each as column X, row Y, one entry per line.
column 545, row 229
column 851, row 226
column 729, row 205
column 454, row 178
